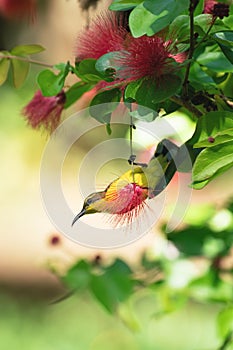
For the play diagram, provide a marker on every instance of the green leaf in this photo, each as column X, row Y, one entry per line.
column 199, row 78
column 225, row 38
column 228, row 52
column 4, row 68
column 215, row 61
column 228, row 21
column 168, row 85
column 108, row 129
column 217, row 125
column 75, row 92
column 212, row 161
column 165, row 11
column 20, row 72
column 225, row 322
column 124, row 5
column 203, row 22
column 144, row 114
column 102, row 105
column 189, row 241
column 27, row 50
column 198, row 185
column 179, row 28
column 78, row 276
column 86, row 70
column 199, row 8
column 148, row 93
column 107, row 65
column 113, row 286
column 50, row 83
column 225, row 41
column 140, row 21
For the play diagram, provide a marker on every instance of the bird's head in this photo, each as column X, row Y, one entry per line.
column 90, row 205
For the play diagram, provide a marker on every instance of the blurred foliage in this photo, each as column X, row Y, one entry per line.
column 195, row 266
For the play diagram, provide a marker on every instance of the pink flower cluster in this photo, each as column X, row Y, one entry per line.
column 143, row 57
column 44, row 111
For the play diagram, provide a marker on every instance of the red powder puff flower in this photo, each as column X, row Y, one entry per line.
column 126, row 203
column 105, row 34
column 18, row 9
column 146, row 57
column 45, row 111
column 208, row 6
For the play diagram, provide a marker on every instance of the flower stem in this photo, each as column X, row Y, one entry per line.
column 187, row 104
column 131, row 127
column 192, row 6
column 207, row 33
column 26, row 59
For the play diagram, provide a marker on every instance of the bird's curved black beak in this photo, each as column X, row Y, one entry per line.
column 82, row 212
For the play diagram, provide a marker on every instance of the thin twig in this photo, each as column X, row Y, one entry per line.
column 131, row 127
column 193, row 4
column 207, row 33
column 186, row 104
column 26, row 59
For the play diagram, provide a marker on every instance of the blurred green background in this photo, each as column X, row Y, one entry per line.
column 28, row 318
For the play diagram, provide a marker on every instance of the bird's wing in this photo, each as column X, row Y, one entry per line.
column 135, row 175
column 161, row 167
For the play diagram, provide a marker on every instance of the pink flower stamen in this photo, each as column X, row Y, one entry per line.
column 44, row 111
column 105, row 34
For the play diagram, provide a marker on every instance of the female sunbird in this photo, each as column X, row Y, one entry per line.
column 130, row 190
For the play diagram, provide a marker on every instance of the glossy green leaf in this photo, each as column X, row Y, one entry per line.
column 215, row 61
column 203, row 21
column 201, row 184
column 140, row 21
column 199, row 8
column 212, row 161
column 78, row 276
column 124, row 5
column 225, row 322
column 107, row 65
column 20, row 72
column 228, row 52
column 102, row 105
column 214, row 128
column 113, row 286
column 144, row 114
column 165, row 11
column 131, row 90
column 225, row 38
column 179, row 28
column 149, row 93
column 4, row 69
column 86, row 70
column 75, row 92
column 50, row 83
column 168, row 85
column 225, row 41
column 22, row 50
column 199, row 78
column 228, row 21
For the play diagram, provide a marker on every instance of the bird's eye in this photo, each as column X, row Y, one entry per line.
column 89, row 201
